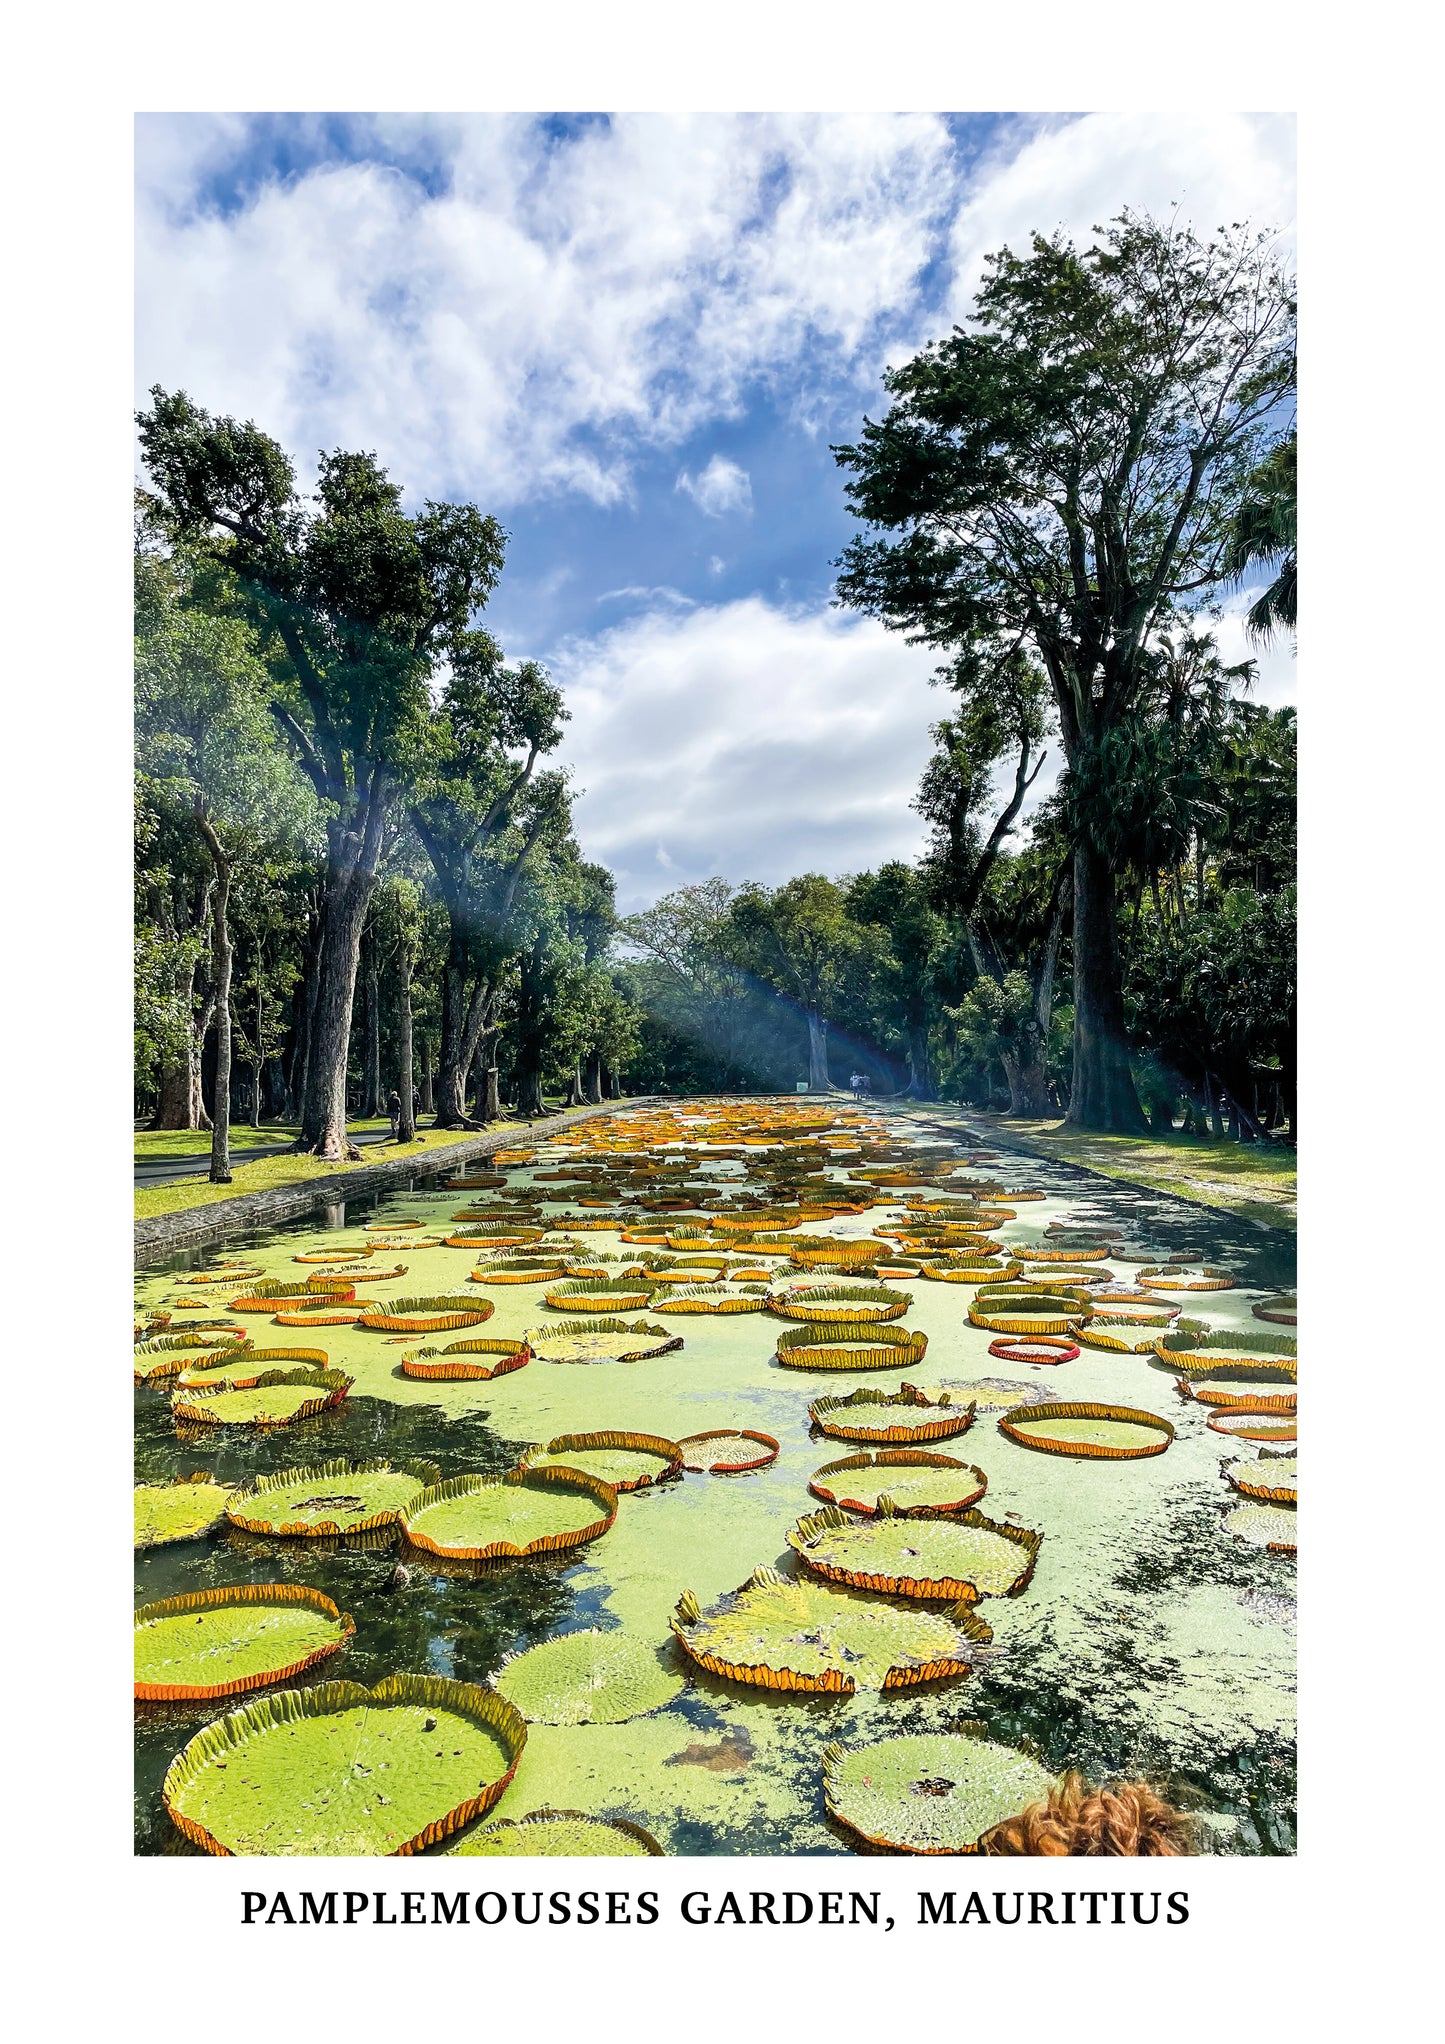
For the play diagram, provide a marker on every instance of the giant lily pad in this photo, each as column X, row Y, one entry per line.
column 330, row 1499
column 1111, row 1433
column 558, row 1834
column 728, row 1451
column 779, row 1633
column 838, row 1304
column 182, row 1510
column 1185, row 1277
column 850, row 1345
column 279, row 1398
column 913, row 1479
column 342, row 1770
column 1272, row 1479
column 599, row 1295
column 241, row 1368
column 628, row 1461
column 1029, row 1312
column 433, row 1315
column 224, row 1642
column 1271, row 1526
column 600, row 1341
column 587, row 1678
column 1262, row 1422
column 989, row 1394
column 492, row 1518
column 1282, row 1307
column 934, row 1792
column 903, row 1415
column 477, row 1359
column 705, row 1299
column 941, row 1557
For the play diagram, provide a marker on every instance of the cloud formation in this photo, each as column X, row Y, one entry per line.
column 511, row 326
column 745, row 739
column 719, row 488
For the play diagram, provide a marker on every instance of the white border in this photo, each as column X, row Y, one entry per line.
column 1337, row 1930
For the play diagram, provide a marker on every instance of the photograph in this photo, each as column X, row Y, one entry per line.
column 714, row 1060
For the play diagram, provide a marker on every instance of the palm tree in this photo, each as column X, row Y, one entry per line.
column 1264, row 531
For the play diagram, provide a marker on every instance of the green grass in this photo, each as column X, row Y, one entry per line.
column 196, row 1142
column 1257, row 1181
column 267, row 1173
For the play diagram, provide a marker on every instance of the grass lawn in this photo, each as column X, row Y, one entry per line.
column 196, row 1142
column 266, row 1173
column 1257, row 1181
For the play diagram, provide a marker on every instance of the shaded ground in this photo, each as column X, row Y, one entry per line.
column 1255, row 1181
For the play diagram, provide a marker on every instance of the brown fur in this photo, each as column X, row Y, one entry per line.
column 1126, row 1820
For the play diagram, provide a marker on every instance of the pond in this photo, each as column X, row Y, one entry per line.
column 1148, row 1639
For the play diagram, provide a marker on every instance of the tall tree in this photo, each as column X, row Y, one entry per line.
column 361, row 605
column 1265, row 535
column 207, row 741
column 480, row 810
column 800, row 939
column 1061, row 479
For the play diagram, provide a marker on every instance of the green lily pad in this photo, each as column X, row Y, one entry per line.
column 627, row 1461
column 587, row 1678
column 600, row 1341
column 782, row 1633
column 487, row 1518
column 989, row 1394
column 558, row 1834
column 278, row 1398
column 1251, row 1423
column 725, row 1451
column 223, row 1642
column 1271, row 1526
column 178, row 1511
column 913, row 1479
column 1272, row 1479
column 931, row 1792
column 1108, row 1432
column 944, row 1558
column 330, row 1498
column 342, row 1770
column 904, row 1415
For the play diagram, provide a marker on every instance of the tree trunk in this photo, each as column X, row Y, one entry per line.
column 574, row 1088
column 1011, row 1070
column 323, row 1111
column 1102, row 1096
column 372, row 1102
column 428, row 1097
column 221, row 984
column 406, row 1123
column 920, row 1069
column 592, row 1081
column 492, row 1101
column 529, row 1089
column 301, row 1083
column 818, row 1079
column 463, row 1019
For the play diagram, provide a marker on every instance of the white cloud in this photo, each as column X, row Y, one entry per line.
column 552, row 304
column 745, row 739
column 640, row 592
column 1077, row 174
column 715, row 564
column 721, row 487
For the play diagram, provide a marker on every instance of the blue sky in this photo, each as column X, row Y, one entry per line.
column 633, row 339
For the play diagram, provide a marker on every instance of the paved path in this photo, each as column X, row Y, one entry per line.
column 155, row 1170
